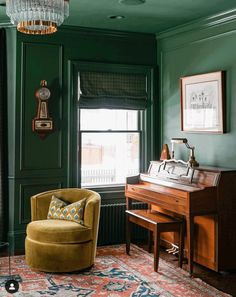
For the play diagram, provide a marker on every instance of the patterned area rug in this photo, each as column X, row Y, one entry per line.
column 114, row 274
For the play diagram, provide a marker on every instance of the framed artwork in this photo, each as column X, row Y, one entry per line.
column 202, row 103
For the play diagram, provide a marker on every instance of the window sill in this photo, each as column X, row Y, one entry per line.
column 107, row 188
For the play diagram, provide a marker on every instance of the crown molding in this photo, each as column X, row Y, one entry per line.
column 6, row 25
column 105, row 32
column 200, row 24
column 85, row 31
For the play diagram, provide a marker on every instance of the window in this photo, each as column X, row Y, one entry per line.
column 109, row 145
column 114, row 137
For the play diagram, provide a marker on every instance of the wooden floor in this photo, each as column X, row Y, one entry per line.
column 225, row 281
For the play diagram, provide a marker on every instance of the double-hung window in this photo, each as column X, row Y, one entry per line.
column 109, row 145
column 113, row 119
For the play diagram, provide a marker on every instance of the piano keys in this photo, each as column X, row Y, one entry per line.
column 204, row 196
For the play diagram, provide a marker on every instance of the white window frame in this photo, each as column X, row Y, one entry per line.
column 81, row 132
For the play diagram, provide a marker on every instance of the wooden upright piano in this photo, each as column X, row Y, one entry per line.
column 204, row 196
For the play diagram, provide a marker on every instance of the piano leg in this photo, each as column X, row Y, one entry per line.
column 150, row 241
column 190, row 241
column 181, row 244
column 156, row 248
column 128, row 232
column 150, row 235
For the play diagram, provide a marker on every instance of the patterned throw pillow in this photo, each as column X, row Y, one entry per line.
column 61, row 210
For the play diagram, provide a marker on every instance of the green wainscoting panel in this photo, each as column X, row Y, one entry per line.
column 190, row 53
column 41, row 62
column 16, row 240
column 19, row 208
column 11, row 91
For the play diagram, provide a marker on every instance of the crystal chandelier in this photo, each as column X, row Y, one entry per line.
column 37, row 16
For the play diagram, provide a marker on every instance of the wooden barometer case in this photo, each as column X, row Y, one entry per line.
column 42, row 123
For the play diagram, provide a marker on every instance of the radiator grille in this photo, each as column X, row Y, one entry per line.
column 112, row 225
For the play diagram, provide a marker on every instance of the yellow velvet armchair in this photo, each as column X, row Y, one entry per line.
column 54, row 245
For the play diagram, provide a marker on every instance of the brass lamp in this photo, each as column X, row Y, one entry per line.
column 37, row 17
column 191, row 161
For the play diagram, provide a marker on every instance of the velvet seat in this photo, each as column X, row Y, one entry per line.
column 54, row 245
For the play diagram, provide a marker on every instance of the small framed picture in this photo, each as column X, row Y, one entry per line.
column 203, row 103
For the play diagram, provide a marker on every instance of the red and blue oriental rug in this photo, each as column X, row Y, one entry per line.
column 114, row 274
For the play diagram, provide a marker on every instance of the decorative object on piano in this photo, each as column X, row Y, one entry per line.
column 191, row 161
column 42, row 123
column 203, row 103
column 165, row 154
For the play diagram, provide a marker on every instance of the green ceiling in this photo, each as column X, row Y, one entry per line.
column 154, row 16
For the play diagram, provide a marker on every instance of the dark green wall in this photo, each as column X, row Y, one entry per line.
column 36, row 165
column 199, row 48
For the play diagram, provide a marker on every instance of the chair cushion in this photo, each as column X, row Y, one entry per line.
column 61, row 210
column 58, row 231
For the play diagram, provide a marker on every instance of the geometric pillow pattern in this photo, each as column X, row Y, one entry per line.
column 59, row 209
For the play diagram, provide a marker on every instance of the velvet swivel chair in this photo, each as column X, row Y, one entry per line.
column 56, row 245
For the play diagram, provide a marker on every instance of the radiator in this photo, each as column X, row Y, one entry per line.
column 112, row 225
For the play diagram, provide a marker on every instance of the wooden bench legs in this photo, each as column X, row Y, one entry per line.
column 156, row 223
column 156, row 247
column 181, row 244
column 128, row 232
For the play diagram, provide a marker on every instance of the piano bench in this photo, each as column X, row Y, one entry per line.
column 157, row 223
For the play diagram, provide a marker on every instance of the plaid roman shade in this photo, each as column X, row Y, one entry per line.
column 112, row 90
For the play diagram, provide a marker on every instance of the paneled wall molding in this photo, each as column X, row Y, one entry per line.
column 11, row 94
column 202, row 23
column 198, row 48
column 6, row 25
column 37, row 165
column 20, row 192
column 16, row 239
column 198, row 32
column 26, row 190
column 173, row 44
column 188, row 39
column 28, row 105
column 189, row 36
